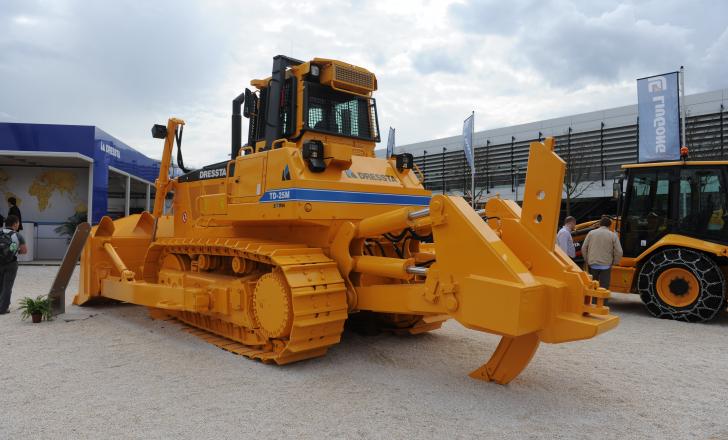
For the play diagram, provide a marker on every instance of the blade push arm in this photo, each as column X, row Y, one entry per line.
column 504, row 276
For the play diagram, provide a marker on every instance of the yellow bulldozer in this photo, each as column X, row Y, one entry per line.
column 269, row 253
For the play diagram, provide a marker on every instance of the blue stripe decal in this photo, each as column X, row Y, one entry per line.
column 323, row 195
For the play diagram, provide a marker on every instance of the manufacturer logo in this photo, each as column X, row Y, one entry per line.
column 378, row 177
column 110, row 150
column 213, row 173
column 656, row 84
column 370, row 176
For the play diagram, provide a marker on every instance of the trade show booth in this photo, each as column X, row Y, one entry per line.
column 65, row 174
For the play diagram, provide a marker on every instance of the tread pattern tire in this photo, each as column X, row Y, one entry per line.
column 710, row 277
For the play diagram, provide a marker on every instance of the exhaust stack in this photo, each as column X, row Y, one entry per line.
column 236, row 136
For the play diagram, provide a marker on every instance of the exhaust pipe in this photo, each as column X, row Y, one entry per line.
column 236, row 136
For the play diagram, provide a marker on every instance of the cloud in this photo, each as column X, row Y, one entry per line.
column 126, row 65
column 438, row 60
column 580, row 49
column 574, row 44
column 713, row 71
column 493, row 16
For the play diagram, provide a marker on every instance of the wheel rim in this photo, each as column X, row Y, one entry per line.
column 678, row 287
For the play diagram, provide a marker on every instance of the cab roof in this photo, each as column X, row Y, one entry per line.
column 676, row 163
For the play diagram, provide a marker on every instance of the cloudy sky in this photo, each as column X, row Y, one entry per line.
column 124, row 65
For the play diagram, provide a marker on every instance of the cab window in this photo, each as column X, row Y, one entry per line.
column 702, row 203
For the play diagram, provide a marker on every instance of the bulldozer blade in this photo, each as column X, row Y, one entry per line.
column 57, row 294
column 511, row 356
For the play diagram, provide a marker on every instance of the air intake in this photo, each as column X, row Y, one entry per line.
column 351, row 79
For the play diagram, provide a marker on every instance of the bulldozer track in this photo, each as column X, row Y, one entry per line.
column 421, row 326
column 396, row 324
column 317, row 299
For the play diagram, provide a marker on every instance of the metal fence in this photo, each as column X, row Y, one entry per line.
column 594, row 155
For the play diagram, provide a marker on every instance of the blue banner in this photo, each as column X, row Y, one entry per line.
column 659, row 115
column 468, row 126
column 390, row 143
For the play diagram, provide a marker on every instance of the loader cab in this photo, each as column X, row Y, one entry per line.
column 685, row 198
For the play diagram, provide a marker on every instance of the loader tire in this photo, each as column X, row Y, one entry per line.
column 681, row 284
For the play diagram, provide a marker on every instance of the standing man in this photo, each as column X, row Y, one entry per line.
column 563, row 238
column 11, row 244
column 14, row 210
column 601, row 251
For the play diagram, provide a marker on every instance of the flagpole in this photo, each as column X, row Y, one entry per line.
column 472, row 168
column 472, row 186
column 682, row 104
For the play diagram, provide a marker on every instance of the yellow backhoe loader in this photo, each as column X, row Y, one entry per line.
column 673, row 228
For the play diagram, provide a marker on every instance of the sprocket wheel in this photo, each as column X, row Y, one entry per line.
column 272, row 305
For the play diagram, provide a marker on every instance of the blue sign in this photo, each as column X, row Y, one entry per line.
column 390, row 143
column 468, row 126
column 659, row 115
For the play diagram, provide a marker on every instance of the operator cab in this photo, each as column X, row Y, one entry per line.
column 686, row 198
column 317, row 100
column 341, row 114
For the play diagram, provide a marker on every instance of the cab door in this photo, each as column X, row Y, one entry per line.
column 702, row 203
column 649, row 209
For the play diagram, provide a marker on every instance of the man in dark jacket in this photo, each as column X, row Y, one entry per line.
column 9, row 268
column 14, row 210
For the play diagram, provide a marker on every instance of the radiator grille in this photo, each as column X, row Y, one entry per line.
column 354, row 77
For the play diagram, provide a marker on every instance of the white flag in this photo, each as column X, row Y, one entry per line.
column 390, row 143
column 468, row 126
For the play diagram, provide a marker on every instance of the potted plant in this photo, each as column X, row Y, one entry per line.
column 68, row 228
column 38, row 308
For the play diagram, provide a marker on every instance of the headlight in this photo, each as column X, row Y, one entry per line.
column 314, row 70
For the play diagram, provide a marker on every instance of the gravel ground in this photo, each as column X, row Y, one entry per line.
column 120, row 374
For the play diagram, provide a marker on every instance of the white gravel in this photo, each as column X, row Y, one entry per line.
column 120, row 374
